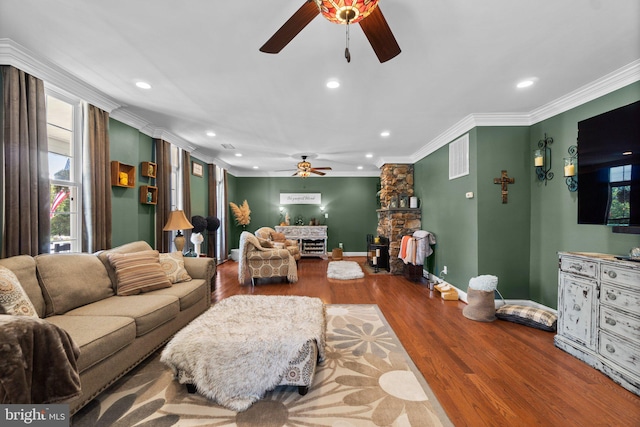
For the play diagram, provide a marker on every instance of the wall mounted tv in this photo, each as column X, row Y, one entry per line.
column 609, row 169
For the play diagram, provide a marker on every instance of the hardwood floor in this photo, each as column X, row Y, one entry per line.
column 483, row 374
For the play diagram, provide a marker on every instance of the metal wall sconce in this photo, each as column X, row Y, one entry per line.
column 570, row 168
column 542, row 159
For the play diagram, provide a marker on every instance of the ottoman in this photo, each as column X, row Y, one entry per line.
column 246, row 345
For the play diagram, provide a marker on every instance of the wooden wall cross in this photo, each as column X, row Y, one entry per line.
column 504, row 181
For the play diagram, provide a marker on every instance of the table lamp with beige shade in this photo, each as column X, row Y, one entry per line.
column 178, row 221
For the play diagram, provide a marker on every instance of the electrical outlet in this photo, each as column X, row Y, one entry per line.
column 444, row 270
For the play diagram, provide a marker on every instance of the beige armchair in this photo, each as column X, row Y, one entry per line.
column 258, row 262
column 279, row 240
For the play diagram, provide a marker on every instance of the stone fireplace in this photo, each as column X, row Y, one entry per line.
column 395, row 217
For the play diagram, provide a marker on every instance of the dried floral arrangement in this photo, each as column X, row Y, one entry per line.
column 241, row 213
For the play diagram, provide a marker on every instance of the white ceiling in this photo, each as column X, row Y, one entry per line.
column 459, row 58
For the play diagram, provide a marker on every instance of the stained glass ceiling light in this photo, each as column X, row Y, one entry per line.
column 346, row 11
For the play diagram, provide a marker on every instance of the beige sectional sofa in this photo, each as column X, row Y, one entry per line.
column 77, row 292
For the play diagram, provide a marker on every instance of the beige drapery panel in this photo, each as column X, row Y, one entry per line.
column 96, row 201
column 26, row 225
column 212, row 209
column 186, row 194
column 163, row 182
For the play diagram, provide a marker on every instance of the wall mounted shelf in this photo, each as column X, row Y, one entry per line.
column 149, row 169
column 122, row 175
column 148, row 195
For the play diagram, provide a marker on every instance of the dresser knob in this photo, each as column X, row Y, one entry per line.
column 612, row 274
column 576, row 307
column 611, row 349
column 611, row 296
column 576, row 266
column 610, row 321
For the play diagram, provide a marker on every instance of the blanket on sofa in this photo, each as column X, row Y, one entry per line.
column 241, row 347
column 37, row 362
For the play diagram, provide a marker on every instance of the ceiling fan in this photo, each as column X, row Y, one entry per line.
column 305, row 169
column 364, row 12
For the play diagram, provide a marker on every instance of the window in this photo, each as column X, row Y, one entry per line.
column 65, row 172
column 618, row 212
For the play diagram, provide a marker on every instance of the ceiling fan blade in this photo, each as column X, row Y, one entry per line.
column 322, row 169
column 291, row 28
column 317, row 172
column 382, row 40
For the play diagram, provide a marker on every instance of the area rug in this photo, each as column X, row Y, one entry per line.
column 344, row 270
column 367, row 379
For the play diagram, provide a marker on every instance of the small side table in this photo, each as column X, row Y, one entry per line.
column 336, row 254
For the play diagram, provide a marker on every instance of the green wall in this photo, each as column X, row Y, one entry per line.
column 200, row 198
column 350, row 203
column 518, row 241
column 132, row 220
column 554, row 226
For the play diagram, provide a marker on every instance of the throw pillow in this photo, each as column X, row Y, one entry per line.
column 529, row 316
column 13, row 299
column 173, row 266
column 278, row 237
column 138, row 272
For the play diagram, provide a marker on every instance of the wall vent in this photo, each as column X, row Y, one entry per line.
column 228, row 147
column 459, row 157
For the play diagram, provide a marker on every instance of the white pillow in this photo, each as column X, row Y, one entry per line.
column 13, row 298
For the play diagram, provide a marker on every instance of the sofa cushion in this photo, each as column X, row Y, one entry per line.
column 72, row 280
column 98, row 337
column 127, row 248
column 13, row 299
column 24, row 267
column 138, row 272
column 148, row 311
column 173, row 266
column 188, row 293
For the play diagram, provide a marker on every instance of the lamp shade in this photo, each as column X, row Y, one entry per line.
column 177, row 221
column 346, row 11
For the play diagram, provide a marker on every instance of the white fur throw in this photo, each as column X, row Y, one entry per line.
column 484, row 283
column 241, row 347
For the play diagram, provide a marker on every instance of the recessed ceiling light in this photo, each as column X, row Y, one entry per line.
column 627, row 153
column 369, row 155
column 333, row 84
column 238, row 154
column 143, row 85
column 256, row 167
column 525, row 83
column 385, row 133
column 211, row 133
column 360, row 168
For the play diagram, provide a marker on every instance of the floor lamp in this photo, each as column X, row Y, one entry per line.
column 178, row 221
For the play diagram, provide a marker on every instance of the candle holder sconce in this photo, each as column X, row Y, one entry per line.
column 570, row 168
column 542, row 159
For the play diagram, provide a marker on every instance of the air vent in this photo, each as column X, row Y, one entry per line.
column 228, row 147
column 459, row 157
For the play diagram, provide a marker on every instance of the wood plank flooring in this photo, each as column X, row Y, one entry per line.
column 483, row 374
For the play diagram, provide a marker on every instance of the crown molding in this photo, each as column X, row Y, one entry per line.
column 618, row 79
column 11, row 53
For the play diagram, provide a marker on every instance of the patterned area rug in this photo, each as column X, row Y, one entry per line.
column 368, row 379
column 344, row 270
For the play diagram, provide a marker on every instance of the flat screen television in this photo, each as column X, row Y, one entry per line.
column 609, row 169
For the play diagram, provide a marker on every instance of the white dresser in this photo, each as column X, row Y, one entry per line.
column 599, row 314
column 312, row 239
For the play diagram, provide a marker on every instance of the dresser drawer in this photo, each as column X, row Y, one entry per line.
column 626, row 299
column 619, row 323
column 617, row 350
column 579, row 266
column 620, row 275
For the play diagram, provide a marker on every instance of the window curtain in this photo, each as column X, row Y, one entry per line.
column 163, row 182
column 212, row 209
column 26, row 225
column 96, row 200
column 186, row 194
column 225, row 223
